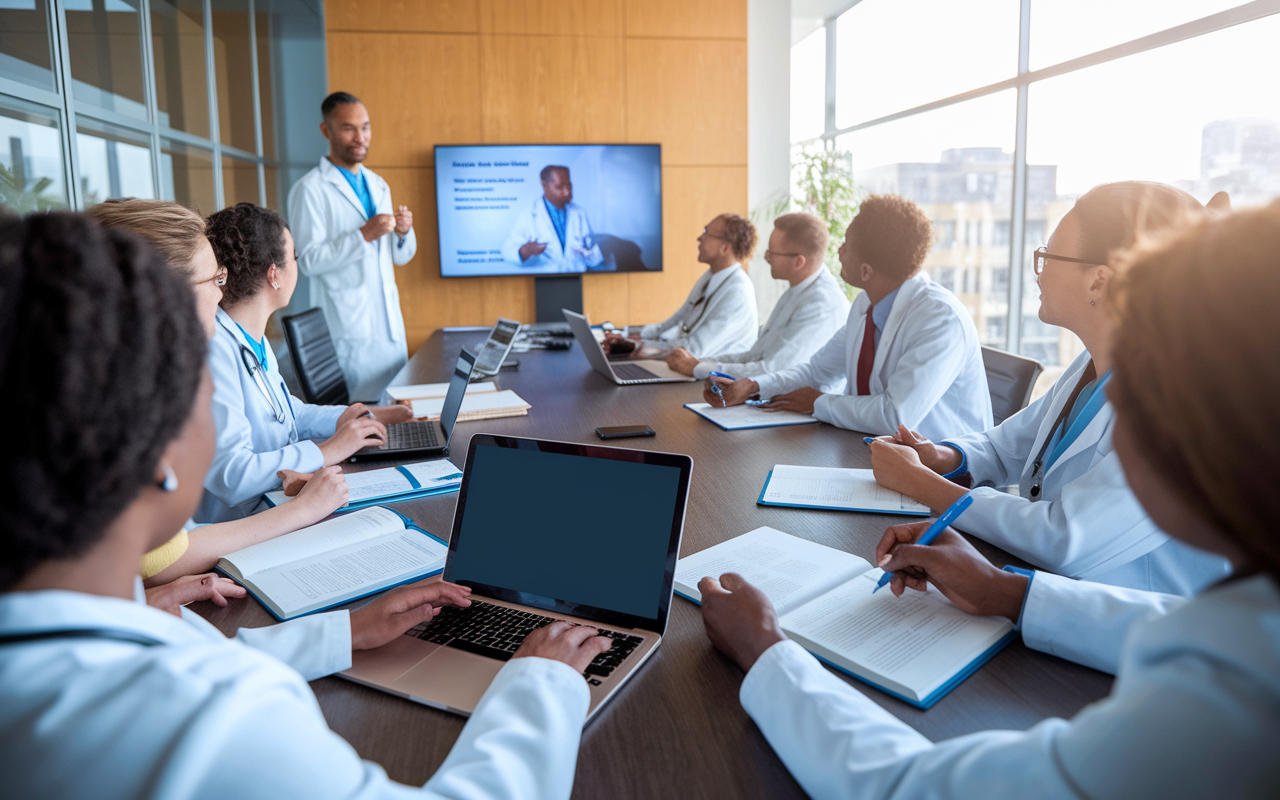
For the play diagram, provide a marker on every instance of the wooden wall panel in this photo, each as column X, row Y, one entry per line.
column 552, row 89
column 453, row 71
column 420, row 89
column 692, row 197
column 552, row 17
column 687, row 19
column 691, row 96
column 427, row 16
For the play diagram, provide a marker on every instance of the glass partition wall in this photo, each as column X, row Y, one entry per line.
column 173, row 99
column 995, row 115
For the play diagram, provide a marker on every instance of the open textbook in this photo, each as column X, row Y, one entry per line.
column 916, row 647
column 392, row 484
column 743, row 417
column 834, row 489
column 335, row 561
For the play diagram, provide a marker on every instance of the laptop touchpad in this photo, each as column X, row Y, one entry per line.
column 450, row 677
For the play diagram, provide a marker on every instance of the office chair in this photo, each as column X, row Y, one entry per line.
column 1010, row 379
column 314, row 359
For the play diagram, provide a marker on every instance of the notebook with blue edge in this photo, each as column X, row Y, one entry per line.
column 763, row 424
column 762, row 502
column 417, row 491
column 267, row 604
column 929, row 700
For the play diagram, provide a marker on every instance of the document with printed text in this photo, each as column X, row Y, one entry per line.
column 834, row 489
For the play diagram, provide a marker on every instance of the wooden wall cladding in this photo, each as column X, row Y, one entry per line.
column 672, row 72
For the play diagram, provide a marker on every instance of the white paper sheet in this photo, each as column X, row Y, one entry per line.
column 735, row 418
column 825, row 487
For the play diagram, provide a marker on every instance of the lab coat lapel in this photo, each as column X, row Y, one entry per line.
column 330, row 172
column 1089, row 437
column 892, row 325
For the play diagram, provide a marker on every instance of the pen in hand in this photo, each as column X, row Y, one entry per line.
column 949, row 516
column 715, row 387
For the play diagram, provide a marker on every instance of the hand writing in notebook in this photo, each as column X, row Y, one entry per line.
column 740, row 620
column 954, row 567
column 402, row 608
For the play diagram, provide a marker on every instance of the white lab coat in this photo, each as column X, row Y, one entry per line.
column 352, row 280
column 805, row 317
column 252, row 444
column 1194, row 712
column 928, row 372
column 726, row 321
column 580, row 250
column 1087, row 523
column 201, row 716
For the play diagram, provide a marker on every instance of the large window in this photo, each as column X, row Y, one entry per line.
column 995, row 115
column 174, row 99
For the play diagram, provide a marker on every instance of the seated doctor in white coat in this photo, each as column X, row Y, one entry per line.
column 908, row 353
column 720, row 315
column 807, row 314
column 1074, row 513
column 350, row 241
column 102, row 696
column 262, row 428
column 555, row 231
column 1195, row 709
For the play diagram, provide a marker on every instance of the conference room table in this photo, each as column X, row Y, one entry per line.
column 677, row 727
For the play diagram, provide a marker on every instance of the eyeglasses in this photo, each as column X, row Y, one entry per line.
column 707, row 232
column 219, row 278
column 1042, row 255
column 770, row 254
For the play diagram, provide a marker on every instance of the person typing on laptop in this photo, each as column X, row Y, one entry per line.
column 102, row 696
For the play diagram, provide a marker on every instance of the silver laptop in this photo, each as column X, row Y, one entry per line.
column 495, row 349
column 538, row 537
column 426, row 437
column 621, row 372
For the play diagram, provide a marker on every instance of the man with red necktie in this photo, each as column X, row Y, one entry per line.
column 909, row 352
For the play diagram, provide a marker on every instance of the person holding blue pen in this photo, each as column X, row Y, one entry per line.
column 1073, row 512
column 932, row 532
column 1194, row 711
column 262, row 428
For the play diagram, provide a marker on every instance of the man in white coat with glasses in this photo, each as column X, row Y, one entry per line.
column 350, row 239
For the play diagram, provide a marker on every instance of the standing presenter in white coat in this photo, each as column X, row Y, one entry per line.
column 554, row 234
column 349, row 243
column 1195, row 708
column 1074, row 513
column 909, row 352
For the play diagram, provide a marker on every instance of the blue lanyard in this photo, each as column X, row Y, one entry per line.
column 1095, row 403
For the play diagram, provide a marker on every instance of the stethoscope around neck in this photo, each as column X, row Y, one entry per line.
column 258, row 374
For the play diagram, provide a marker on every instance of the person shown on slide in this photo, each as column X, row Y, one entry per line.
column 1073, row 513
column 555, row 230
column 1195, row 708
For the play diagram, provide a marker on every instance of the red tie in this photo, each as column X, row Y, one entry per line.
column 867, row 358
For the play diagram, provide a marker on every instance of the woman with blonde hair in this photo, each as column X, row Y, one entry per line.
column 1195, row 709
column 1073, row 513
column 171, row 570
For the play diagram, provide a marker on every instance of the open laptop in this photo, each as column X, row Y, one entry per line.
column 625, row 373
column 495, row 349
column 538, row 537
column 427, row 437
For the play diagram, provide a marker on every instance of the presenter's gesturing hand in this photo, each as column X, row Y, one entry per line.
column 378, row 225
column 740, row 620
column 404, row 220
column 530, row 249
column 402, row 608
column 575, row 645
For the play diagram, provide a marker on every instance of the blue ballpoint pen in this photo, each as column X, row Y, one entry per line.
column 949, row 516
column 715, row 387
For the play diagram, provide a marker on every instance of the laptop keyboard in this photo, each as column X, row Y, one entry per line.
column 632, row 372
column 497, row 632
column 410, row 435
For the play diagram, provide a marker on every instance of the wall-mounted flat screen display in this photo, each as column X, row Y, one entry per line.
column 548, row 209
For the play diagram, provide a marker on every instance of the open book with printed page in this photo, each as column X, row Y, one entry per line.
column 391, row 485
column 917, row 647
column 336, row 561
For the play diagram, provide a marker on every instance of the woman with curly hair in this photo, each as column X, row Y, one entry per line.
column 262, row 428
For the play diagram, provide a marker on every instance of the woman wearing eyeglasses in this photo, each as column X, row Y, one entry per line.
column 1073, row 513
column 262, row 428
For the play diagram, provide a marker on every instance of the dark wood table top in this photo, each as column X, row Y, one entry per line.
column 677, row 726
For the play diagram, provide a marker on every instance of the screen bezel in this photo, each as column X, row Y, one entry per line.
column 658, row 622
column 435, row 159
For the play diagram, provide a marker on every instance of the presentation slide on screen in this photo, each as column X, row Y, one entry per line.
column 599, row 209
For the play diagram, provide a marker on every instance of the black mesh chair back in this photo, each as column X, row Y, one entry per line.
column 314, row 359
column 1010, row 379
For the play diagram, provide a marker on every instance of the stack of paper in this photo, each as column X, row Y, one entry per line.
column 421, row 391
column 481, row 405
column 393, row 484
